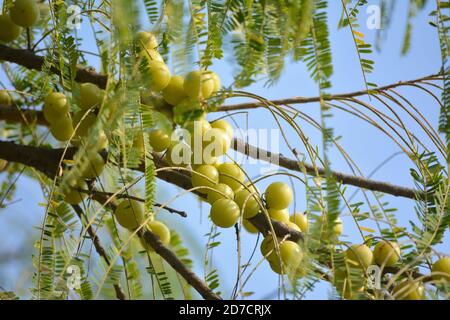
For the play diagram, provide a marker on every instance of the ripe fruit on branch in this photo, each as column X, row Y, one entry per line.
column 205, row 176
column 224, row 213
column 159, row 229
column 408, row 290
column 95, row 166
column 90, row 95
column 24, row 13
column 178, row 155
column 216, row 79
column 292, row 225
column 129, row 214
column 5, row 98
column 231, row 174
column 291, row 256
column 151, row 55
column 301, row 220
column 225, row 126
column 279, row 215
column 215, row 142
column 386, row 253
column 248, row 203
column 83, row 123
column 440, row 271
column 55, row 107
column 74, row 196
column 159, row 75
column 146, row 40
column 278, row 195
column 220, row 191
column 159, row 140
column 62, row 129
column 359, row 256
column 249, row 226
column 198, row 84
column 174, row 92
column 9, row 31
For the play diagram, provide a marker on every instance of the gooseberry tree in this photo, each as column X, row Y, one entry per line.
column 99, row 140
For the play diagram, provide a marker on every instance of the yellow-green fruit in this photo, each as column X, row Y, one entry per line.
column 94, row 167
column 3, row 164
column 5, row 98
column 216, row 79
column 83, row 126
column 159, row 75
column 225, row 126
column 291, row 256
column 159, row 229
column 151, row 55
column 231, row 174
column 74, row 196
column 408, row 290
column 62, row 130
column 278, row 195
column 249, row 226
column 198, row 85
column 440, row 271
column 159, row 140
column 220, row 191
column 301, row 220
column 129, row 214
column 292, row 225
column 275, row 266
column 205, row 176
column 9, row 31
column 224, row 213
column 386, row 253
column 55, row 107
column 147, row 40
column 359, row 256
column 24, row 13
column 178, row 155
column 174, row 92
column 197, row 127
column 90, row 95
column 248, row 203
column 279, row 215
column 215, row 142
column 267, row 248
column 338, row 226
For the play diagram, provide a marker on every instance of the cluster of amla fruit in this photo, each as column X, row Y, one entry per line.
column 22, row 14
column 387, row 254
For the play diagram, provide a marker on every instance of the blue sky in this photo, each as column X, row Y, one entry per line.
column 367, row 147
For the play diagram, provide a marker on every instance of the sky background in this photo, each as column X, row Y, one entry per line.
column 367, row 147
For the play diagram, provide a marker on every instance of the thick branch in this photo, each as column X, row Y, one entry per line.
column 29, row 60
column 294, row 165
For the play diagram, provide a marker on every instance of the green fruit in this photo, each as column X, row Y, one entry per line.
column 301, row 220
column 149, row 55
column 159, row 75
column 359, row 256
column 9, row 31
column 90, row 95
column 232, row 175
column 159, row 229
column 292, row 225
column 55, row 107
column 224, row 213
column 94, row 167
column 440, row 270
column 5, row 98
column 146, row 40
column 174, row 92
column 337, row 228
column 129, row 214
column 216, row 79
column 278, row 195
column 62, row 130
column 220, row 191
column 83, row 125
column 198, row 85
column 74, row 196
column 291, row 256
column 24, row 13
column 386, row 253
column 215, row 142
column 197, row 127
column 248, row 203
column 225, row 126
column 159, row 140
column 408, row 290
column 279, row 215
column 178, row 155
column 205, row 176
column 268, row 249
column 249, row 226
